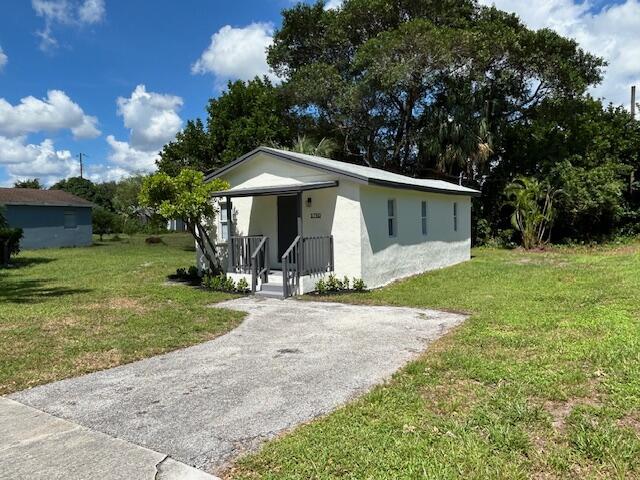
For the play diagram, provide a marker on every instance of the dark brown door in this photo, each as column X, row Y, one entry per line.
column 287, row 223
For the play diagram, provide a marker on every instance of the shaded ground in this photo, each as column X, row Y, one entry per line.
column 286, row 364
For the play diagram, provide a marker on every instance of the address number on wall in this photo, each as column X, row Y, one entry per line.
column 316, row 215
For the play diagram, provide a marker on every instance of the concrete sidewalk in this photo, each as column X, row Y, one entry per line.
column 35, row 445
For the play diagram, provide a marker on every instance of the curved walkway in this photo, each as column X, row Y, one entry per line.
column 288, row 362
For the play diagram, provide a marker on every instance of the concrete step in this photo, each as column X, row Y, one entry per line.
column 270, row 287
column 269, row 293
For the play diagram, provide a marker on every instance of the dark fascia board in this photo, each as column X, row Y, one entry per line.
column 420, row 188
column 264, row 191
column 355, row 177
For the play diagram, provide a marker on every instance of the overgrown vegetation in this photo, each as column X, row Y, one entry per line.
column 64, row 312
column 542, row 381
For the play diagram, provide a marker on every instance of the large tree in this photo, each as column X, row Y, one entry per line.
column 410, row 85
column 246, row 115
column 29, row 183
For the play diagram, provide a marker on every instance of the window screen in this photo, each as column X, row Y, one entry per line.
column 423, row 217
column 70, row 220
column 392, row 224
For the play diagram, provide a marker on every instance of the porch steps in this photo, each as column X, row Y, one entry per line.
column 273, row 288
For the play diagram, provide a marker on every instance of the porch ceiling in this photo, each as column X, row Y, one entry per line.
column 275, row 190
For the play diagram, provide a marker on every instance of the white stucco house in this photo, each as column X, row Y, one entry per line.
column 289, row 219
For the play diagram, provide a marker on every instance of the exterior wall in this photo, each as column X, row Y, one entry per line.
column 44, row 226
column 356, row 216
column 333, row 211
column 385, row 259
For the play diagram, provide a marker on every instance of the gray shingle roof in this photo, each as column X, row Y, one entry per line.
column 31, row 196
column 360, row 173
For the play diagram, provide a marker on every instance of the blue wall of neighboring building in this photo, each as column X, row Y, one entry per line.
column 44, row 226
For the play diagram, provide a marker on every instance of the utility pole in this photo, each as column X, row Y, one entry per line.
column 81, row 156
column 633, row 102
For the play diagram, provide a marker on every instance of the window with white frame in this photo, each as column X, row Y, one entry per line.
column 455, row 216
column 224, row 222
column 392, row 220
column 423, row 217
column 70, row 220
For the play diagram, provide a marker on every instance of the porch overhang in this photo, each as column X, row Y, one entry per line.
column 292, row 189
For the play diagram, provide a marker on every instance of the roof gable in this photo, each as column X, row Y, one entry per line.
column 358, row 173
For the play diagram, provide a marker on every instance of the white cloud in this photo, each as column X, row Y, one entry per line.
column 3, row 59
column 43, row 161
column 333, row 4
column 610, row 32
column 153, row 120
column 129, row 158
column 92, row 11
column 151, row 117
column 55, row 112
column 237, row 53
column 65, row 13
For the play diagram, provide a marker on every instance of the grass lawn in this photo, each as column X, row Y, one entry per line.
column 543, row 381
column 64, row 312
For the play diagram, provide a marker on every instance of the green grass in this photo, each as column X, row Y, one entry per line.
column 64, row 312
column 542, row 381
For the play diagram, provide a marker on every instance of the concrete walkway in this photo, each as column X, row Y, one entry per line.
column 38, row 446
column 287, row 363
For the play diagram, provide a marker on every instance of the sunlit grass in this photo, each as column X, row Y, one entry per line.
column 64, row 312
column 542, row 381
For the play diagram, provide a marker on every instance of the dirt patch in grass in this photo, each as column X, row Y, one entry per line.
column 453, row 397
column 631, row 422
column 560, row 411
column 56, row 325
column 92, row 361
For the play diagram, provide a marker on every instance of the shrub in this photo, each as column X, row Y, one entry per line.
column 333, row 284
column 345, row 283
column 359, row 285
column 242, row 286
column 9, row 243
column 153, row 240
column 321, row 286
column 219, row 283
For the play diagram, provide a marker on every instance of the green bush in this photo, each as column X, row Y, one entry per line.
column 334, row 285
column 321, row 287
column 219, row 283
column 9, row 243
column 359, row 285
column 242, row 286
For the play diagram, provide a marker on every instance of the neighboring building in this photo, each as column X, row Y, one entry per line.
column 307, row 216
column 176, row 225
column 49, row 218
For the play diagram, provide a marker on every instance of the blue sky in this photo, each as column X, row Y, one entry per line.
column 116, row 80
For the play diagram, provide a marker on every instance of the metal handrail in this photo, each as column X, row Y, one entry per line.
column 260, row 256
column 291, row 276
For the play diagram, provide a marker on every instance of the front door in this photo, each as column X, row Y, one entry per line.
column 287, row 223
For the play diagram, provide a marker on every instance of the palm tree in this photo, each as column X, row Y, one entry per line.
column 303, row 144
column 533, row 213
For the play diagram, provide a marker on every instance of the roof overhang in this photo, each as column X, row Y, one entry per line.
column 42, row 204
column 355, row 177
column 291, row 189
column 421, row 188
